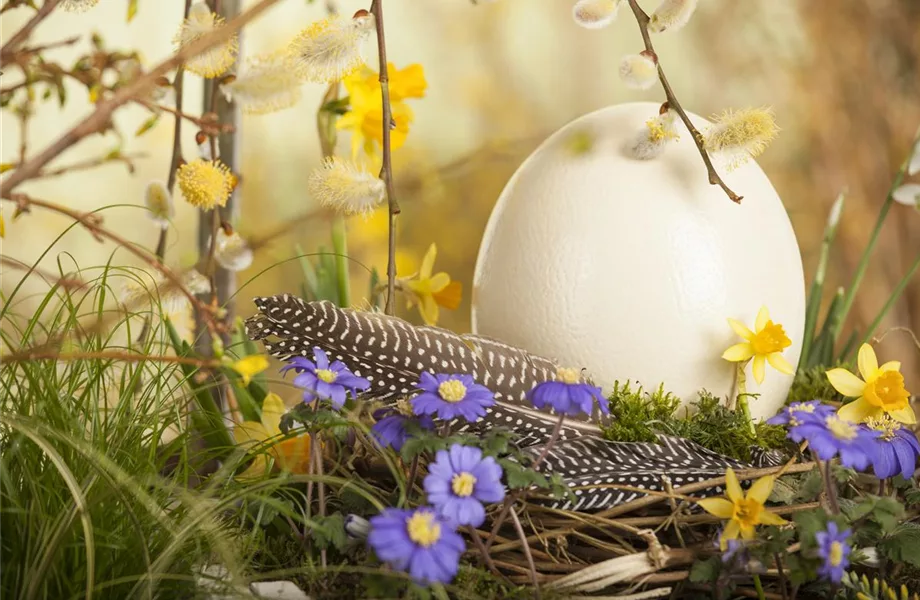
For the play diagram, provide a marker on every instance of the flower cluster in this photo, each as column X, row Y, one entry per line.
column 324, row 380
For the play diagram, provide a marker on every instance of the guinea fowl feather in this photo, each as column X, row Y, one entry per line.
column 391, row 353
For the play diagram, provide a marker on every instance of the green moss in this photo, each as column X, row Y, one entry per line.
column 480, row 583
column 639, row 415
column 812, row 384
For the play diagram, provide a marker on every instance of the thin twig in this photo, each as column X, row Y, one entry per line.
column 386, row 171
column 477, row 541
column 642, row 19
column 527, row 555
column 23, row 34
column 67, row 281
column 100, row 117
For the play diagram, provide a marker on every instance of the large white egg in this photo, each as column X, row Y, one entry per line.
column 629, row 268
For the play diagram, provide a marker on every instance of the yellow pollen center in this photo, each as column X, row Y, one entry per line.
column 835, row 556
column 452, row 390
column 462, row 484
column 747, row 512
column 885, row 424
column 887, row 391
column 423, row 529
column 770, row 339
column 842, row 430
column 325, row 375
column 567, row 375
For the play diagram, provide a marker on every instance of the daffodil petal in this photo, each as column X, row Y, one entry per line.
column 256, row 469
column 761, row 489
column 747, row 532
column 739, row 352
column 731, row 531
column 763, row 315
column 428, row 309
column 732, row 487
column 891, row 365
column 867, row 361
column 904, row 415
column 846, row 383
column 438, row 282
column 779, row 362
column 858, row 411
column 719, row 507
column 741, row 329
column 759, row 368
column 272, row 409
column 769, row 518
column 249, row 433
column 428, row 262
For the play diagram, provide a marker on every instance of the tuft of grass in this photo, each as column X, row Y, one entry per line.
column 637, row 416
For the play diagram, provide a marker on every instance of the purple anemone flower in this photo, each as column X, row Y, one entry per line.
column 895, row 450
column 325, row 381
column 392, row 429
column 461, row 481
column 834, row 436
column 834, row 548
column 451, row 396
column 799, row 413
column 568, row 395
column 418, row 541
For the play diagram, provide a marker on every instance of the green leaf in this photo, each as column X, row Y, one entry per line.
column 132, row 10
column 705, row 571
column 808, row 523
column 519, row 477
column 329, row 531
column 888, row 513
column 147, row 125
column 902, row 544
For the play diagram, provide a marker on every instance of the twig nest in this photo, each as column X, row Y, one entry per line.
column 630, row 268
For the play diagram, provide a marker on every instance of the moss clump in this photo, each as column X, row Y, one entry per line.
column 480, row 583
column 812, row 384
column 638, row 416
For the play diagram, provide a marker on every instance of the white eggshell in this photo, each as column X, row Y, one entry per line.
column 629, row 268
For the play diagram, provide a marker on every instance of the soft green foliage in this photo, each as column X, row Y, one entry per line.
column 812, row 384
column 862, row 588
column 638, row 415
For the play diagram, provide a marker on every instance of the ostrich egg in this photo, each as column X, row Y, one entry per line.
column 630, row 268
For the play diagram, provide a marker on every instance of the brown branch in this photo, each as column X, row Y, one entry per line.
column 67, row 281
column 92, row 163
column 101, row 116
column 643, row 19
column 6, row 52
column 386, row 171
column 93, row 223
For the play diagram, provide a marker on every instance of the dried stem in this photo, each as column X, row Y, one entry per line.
column 386, row 171
column 526, row 547
column 6, row 52
column 100, row 117
column 110, row 355
column 642, row 19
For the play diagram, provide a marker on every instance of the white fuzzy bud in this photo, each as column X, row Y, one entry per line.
column 638, row 71
column 671, row 15
column 346, row 187
column 652, row 139
column 232, row 252
column 267, row 84
column 594, row 14
column 330, row 50
column 159, row 203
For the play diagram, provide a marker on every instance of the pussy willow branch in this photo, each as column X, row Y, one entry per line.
column 92, row 223
column 386, row 171
column 23, row 34
column 642, row 19
column 66, row 281
column 91, row 163
column 103, row 113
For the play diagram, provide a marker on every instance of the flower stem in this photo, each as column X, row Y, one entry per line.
column 759, row 587
column 829, row 487
column 741, row 384
column 527, row 554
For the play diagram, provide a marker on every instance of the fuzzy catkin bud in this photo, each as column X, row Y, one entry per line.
column 671, row 15
column 652, row 139
column 231, row 251
column 639, row 71
column 594, row 14
column 346, row 187
column 330, row 50
column 737, row 136
column 216, row 60
column 77, row 5
column 159, row 203
column 269, row 83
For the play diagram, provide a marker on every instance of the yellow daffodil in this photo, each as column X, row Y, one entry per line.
column 429, row 291
column 365, row 114
column 764, row 344
column 291, row 454
column 250, row 366
column 744, row 512
column 880, row 391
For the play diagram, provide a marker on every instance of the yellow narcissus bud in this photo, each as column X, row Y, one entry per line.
column 205, row 184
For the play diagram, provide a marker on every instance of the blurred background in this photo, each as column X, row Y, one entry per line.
column 843, row 77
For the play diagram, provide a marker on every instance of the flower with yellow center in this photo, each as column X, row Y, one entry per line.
column 365, row 114
column 462, row 484
column 250, row 366
column 764, row 345
column 205, row 183
column 880, row 391
column 429, row 291
column 423, row 528
column 291, row 454
column 452, row 390
column 744, row 512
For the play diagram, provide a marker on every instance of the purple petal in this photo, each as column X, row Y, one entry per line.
column 322, row 361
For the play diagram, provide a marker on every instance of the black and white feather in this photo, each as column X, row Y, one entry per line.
column 392, row 354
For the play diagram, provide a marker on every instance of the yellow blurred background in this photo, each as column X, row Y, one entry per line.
column 843, row 77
